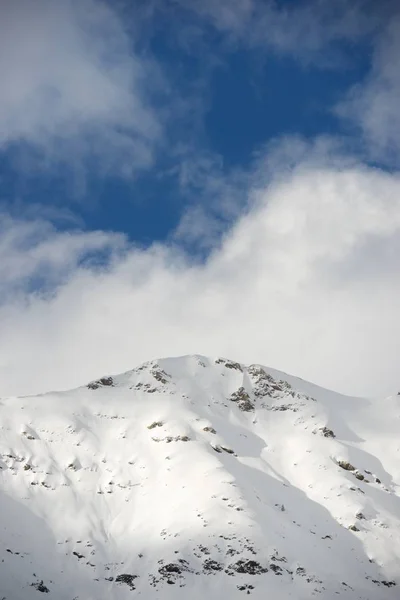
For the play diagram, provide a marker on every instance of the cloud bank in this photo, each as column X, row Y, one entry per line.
column 307, row 282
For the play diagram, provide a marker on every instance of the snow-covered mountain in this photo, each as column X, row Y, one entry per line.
column 198, row 478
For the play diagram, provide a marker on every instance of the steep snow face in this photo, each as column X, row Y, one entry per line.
column 192, row 478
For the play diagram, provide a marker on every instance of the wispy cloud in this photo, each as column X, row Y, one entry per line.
column 300, row 29
column 216, row 197
column 72, row 87
column 372, row 105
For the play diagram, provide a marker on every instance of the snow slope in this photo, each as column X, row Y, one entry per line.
column 198, row 478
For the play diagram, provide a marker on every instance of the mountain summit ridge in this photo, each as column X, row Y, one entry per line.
column 195, row 476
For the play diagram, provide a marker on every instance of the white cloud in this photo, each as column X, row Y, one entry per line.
column 34, row 253
column 71, row 85
column 373, row 104
column 307, row 282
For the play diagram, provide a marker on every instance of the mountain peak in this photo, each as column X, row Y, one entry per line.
column 195, row 476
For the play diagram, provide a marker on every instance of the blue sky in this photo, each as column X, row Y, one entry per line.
column 160, row 133
column 235, row 100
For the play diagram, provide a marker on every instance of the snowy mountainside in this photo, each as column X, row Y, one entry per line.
column 195, row 477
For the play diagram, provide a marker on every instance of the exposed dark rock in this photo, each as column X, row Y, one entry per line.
column 170, row 438
column 170, row 568
column 155, row 424
column 276, row 569
column 40, row 587
column 209, row 429
column 229, row 364
column 210, row 565
column 327, row 432
column 245, row 588
column 243, row 400
column 344, row 464
column 127, row 579
column 172, row 571
column 146, row 387
column 251, row 567
column 228, row 450
column 216, row 448
column 283, row 407
column 102, row 382
column 278, row 558
column 263, row 382
column 384, row 582
column 160, row 375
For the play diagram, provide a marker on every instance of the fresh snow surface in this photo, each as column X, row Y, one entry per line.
column 199, row 478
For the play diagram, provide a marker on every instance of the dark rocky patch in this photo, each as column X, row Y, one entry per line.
column 40, row 587
column 127, row 579
column 146, row 387
column 228, row 450
column 384, row 582
column 102, row 382
column 172, row 572
column 155, row 424
column 209, row 429
column 170, row 438
column 245, row 588
column 276, row 569
column 160, row 375
column 216, row 448
column 283, row 407
column 210, row 566
column 229, row 364
column 250, row 567
column 328, row 433
column 278, row 558
column 243, row 400
column 344, row 464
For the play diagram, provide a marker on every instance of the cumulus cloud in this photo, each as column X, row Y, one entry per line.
column 72, row 87
column 307, row 281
